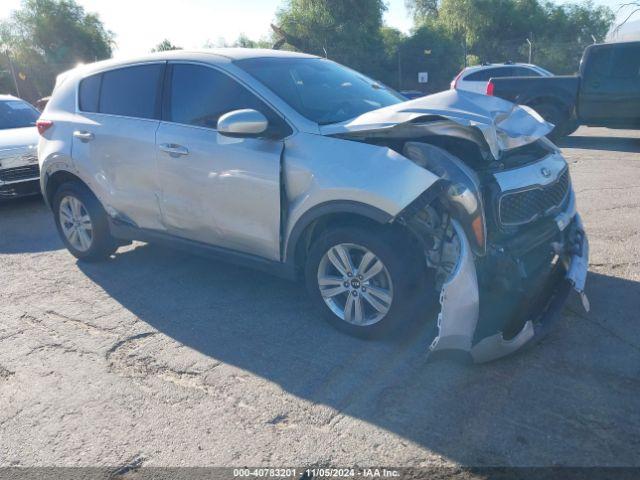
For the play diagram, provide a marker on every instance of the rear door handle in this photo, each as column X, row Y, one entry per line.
column 83, row 136
column 174, row 149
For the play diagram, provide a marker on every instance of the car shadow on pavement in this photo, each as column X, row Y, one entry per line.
column 613, row 144
column 26, row 226
column 570, row 400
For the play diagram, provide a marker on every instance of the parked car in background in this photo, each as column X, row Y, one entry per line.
column 299, row 166
column 42, row 102
column 605, row 93
column 475, row 79
column 411, row 94
column 19, row 174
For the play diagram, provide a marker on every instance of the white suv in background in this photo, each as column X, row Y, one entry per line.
column 475, row 79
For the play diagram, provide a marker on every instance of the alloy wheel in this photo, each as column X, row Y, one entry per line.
column 76, row 223
column 355, row 284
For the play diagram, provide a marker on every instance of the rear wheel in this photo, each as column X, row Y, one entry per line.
column 363, row 281
column 553, row 114
column 572, row 126
column 82, row 223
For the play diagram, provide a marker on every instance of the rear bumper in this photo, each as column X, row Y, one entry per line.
column 460, row 301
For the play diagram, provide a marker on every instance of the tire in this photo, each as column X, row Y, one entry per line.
column 571, row 127
column 400, row 275
column 73, row 205
column 555, row 115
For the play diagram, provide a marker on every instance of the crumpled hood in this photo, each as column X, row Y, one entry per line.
column 502, row 124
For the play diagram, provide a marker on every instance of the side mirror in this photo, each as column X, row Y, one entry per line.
column 242, row 123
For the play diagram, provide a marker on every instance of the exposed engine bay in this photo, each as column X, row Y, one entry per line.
column 499, row 230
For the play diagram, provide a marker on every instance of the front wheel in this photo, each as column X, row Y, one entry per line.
column 364, row 281
column 82, row 223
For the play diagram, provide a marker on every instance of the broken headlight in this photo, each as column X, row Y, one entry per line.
column 462, row 192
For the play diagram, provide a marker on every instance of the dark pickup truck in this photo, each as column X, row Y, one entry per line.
column 605, row 93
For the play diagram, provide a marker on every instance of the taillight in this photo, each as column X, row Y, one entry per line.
column 454, row 82
column 43, row 126
column 490, row 88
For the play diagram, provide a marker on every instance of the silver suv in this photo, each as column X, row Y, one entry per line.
column 302, row 167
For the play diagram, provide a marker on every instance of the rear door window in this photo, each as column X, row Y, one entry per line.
column 132, row 91
column 480, row 76
column 503, row 72
column 525, row 72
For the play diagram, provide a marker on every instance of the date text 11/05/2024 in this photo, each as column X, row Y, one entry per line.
column 308, row 473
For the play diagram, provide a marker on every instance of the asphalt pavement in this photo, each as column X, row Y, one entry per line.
column 159, row 358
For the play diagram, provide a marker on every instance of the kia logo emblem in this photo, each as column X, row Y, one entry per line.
column 546, row 173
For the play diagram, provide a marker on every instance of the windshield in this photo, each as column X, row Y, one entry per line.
column 319, row 89
column 17, row 114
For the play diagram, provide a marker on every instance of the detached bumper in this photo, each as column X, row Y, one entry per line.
column 460, row 303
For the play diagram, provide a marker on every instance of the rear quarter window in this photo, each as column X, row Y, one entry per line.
column 485, row 75
column 89, row 93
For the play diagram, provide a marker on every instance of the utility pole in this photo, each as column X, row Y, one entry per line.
column 399, row 71
column 530, row 45
column 464, row 47
column 13, row 73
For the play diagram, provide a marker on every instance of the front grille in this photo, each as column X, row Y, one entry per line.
column 19, row 173
column 525, row 206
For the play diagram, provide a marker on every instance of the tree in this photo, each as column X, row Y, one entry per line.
column 430, row 48
column 497, row 30
column 245, row 42
column 164, row 46
column 422, row 9
column 46, row 37
column 567, row 30
column 347, row 31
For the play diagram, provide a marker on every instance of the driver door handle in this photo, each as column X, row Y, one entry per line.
column 174, row 149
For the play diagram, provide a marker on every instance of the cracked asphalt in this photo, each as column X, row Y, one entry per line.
column 158, row 358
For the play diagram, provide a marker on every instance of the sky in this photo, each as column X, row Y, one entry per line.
column 139, row 25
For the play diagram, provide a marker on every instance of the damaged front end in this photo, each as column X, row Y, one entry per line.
column 502, row 270
column 499, row 229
